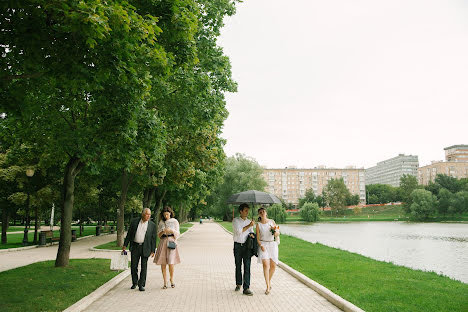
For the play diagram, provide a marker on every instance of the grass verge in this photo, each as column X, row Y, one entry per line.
column 113, row 245
column 16, row 240
column 370, row 284
column 43, row 287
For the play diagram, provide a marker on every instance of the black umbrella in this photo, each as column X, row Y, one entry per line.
column 252, row 197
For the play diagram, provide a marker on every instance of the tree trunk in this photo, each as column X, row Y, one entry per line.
column 35, row 226
column 71, row 171
column 5, row 220
column 158, row 206
column 148, row 197
column 121, row 209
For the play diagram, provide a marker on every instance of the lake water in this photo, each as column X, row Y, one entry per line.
column 438, row 247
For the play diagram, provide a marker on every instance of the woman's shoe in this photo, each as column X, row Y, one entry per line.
column 164, row 287
column 172, row 285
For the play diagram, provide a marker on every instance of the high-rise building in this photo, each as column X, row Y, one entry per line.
column 291, row 183
column 457, row 153
column 391, row 170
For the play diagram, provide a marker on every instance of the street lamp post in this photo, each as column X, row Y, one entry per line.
column 29, row 174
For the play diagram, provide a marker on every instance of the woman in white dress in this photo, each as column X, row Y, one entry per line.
column 267, row 246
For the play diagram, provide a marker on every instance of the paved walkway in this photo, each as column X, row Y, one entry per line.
column 205, row 282
column 79, row 250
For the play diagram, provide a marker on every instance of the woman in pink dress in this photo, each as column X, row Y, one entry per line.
column 167, row 252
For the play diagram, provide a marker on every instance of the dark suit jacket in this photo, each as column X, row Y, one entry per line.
column 149, row 244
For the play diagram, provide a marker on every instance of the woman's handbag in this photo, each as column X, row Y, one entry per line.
column 171, row 245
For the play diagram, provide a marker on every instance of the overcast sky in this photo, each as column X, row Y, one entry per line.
column 340, row 82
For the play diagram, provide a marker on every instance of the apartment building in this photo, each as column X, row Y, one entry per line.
column 391, row 170
column 457, row 153
column 291, row 183
column 454, row 169
column 456, row 165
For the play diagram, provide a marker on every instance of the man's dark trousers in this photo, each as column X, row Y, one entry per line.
column 140, row 251
column 137, row 255
column 242, row 255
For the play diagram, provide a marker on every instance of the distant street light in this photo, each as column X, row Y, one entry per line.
column 29, row 174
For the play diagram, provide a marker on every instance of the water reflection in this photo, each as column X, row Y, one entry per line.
column 438, row 247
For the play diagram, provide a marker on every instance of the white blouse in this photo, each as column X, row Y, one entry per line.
column 172, row 224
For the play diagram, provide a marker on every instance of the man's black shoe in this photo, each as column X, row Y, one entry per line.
column 141, row 288
column 247, row 292
column 237, row 288
column 133, row 287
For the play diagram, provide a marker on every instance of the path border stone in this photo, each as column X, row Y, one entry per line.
column 333, row 298
column 85, row 302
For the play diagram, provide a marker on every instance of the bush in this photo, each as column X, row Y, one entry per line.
column 423, row 204
column 310, row 212
column 277, row 212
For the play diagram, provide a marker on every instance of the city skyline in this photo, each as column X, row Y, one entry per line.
column 346, row 84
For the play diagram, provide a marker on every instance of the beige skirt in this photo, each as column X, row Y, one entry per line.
column 166, row 255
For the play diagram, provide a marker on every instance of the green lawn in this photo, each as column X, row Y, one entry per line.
column 113, row 244
column 42, row 287
column 370, row 284
column 16, row 240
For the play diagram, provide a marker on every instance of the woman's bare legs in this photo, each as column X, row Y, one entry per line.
column 171, row 273
column 266, row 273
column 272, row 271
column 163, row 270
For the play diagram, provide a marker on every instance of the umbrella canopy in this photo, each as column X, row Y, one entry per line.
column 252, row 197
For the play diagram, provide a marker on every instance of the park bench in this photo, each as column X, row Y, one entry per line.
column 107, row 229
column 50, row 235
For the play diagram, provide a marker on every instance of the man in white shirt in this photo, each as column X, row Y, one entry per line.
column 242, row 227
column 142, row 238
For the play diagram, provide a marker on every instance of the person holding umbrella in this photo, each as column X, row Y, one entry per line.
column 242, row 227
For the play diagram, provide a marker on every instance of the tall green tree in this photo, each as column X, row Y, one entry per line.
column 423, row 204
column 408, row 184
column 77, row 104
column 242, row 173
column 336, row 194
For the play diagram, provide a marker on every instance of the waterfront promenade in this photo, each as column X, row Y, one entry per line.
column 205, row 282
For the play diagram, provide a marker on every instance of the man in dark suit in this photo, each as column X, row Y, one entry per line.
column 142, row 238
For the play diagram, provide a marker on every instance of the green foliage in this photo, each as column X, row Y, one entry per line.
column 423, row 204
column 444, row 201
column 139, row 94
column 459, row 202
column 277, row 212
column 336, row 194
column 309, row 197
column 381, row 194
column 408, row 184
column 241, row 174
column 352, row 199
column 310, row 212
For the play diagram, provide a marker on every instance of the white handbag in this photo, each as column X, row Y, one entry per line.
column 119, row 261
